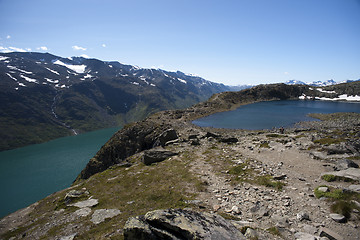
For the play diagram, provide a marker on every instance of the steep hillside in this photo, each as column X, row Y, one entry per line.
column 44, row 96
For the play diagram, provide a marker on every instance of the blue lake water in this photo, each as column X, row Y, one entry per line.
column 31, row 173
column 273, row 114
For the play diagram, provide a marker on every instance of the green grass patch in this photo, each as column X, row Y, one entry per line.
column 329, row 177
column 268, row 181
column 329, row 141
column 275, row 135
column 243, row 173
column 333, row 178
column 274, row 231
column 341, row 201
column 264, row 145
column 228, row 216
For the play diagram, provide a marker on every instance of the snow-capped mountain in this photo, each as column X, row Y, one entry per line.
column 44, row 96
column 314, row 83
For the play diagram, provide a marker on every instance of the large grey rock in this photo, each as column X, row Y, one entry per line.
column 168, row 135
column 180, row 224
column 87, row 203
column 345, row 164
column 156, row 155
column 73, row 194
column 101, row 214
column 83, row 212
column 354, row 188
column 338, row 217
column 228, row 140
column 352, row 173
column 325, row 232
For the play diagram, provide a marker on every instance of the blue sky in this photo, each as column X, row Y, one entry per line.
column 232, row 42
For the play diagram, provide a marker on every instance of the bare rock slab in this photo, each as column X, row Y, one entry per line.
column 101, row 214
column 325, row 232
column 87, row 203
column 180, row 224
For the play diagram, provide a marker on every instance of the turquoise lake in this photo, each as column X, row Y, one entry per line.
column 31, row 173
column 273, row 114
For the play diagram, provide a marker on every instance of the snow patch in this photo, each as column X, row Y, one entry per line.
column 341, row 97
column 88, row 76
column 17, row 69
column 53, row 71
column 110, row 66
column 51, row 81
column 135, row 83
column 11, row 77
column 75, row 68
column 182, row 80
column 29, row 79
column 153, row 85
column 324, row 91
column 2, row 58
column 21, row 84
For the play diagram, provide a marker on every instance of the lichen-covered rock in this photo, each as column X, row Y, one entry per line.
column 101, row 214
column 180, row 224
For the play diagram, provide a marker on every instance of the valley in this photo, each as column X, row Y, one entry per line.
column 269, row 185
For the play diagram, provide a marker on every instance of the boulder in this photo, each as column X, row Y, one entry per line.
column 156, row 155
column 352, row 173
column 210, row 134
column 338, row 217
column 302, row 216
column 180, row 224
column 228, row 140
column 168, row 135
column 354, row 188
column 323, row 189
column 73, row 194
column 345, row 164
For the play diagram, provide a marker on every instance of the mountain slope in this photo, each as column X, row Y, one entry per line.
column 45, row 96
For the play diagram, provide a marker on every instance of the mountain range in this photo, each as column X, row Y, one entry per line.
column 317, row 83
column 44, row 96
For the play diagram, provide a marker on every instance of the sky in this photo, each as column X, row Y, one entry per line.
column 233, row 42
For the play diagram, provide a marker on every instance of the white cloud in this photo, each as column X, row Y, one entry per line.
column 11, row 49
column 77, row 48
column 286, row 73
column 42, row 48
column 103, row 45
column 28, row 49
column 8, row 37
column 84, row 56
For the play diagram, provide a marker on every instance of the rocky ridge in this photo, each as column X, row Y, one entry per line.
column 266, row 184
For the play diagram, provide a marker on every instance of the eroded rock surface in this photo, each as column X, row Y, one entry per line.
column 180, row 224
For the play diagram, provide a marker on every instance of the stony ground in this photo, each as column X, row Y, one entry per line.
column 264, row 180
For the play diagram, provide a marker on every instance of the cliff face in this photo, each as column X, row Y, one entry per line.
column 146, row 134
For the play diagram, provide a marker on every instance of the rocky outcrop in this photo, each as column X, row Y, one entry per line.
column 180, row 224
column 131, row 139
